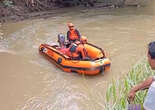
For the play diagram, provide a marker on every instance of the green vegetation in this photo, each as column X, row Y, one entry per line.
column 60, row 3
column 116, row 95
column 8, row 3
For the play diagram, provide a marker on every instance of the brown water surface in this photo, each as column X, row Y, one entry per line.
column 30, row 82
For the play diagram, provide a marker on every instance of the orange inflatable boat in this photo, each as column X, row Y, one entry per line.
column 98, row 62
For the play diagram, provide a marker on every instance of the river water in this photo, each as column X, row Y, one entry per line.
column 29, row 82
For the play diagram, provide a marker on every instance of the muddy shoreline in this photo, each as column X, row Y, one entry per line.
column 19, row 13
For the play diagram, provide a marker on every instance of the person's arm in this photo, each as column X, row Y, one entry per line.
column 143, row 85
column 81, row 50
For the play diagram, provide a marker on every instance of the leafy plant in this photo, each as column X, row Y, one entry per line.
column 8, row 3
column 116, row 95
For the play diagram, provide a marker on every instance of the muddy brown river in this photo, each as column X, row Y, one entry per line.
column 29, row 82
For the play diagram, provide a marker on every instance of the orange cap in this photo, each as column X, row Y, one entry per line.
column 70, row 25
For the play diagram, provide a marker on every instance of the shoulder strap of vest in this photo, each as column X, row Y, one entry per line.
column 68, row 34
column 78, row 33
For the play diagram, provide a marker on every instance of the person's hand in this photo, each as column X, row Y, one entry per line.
column 131, row 95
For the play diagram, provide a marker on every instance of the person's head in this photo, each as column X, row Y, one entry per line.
column 83, row 39
column 151, row 54
column 70, row 26
column 73, row 47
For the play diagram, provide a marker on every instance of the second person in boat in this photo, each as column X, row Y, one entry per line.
column 77, row 50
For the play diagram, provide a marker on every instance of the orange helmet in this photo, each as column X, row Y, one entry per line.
column 83, row 39
column 70, row 24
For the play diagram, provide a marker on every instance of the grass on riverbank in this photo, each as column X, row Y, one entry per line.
column 116, row 95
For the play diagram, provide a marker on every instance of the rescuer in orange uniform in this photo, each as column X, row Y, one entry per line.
column 73, row 34
column 77, row 51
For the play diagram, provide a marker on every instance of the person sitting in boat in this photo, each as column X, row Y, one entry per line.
column 73, row 34
column 77, row 51
column 83, row 40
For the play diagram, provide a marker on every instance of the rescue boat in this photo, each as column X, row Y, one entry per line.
column 98, row 62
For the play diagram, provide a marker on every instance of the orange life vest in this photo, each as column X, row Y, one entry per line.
column 73, row 35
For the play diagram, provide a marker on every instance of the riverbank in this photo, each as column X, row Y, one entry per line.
column 117, row 92
column 19, row 11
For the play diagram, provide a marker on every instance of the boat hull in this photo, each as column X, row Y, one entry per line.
column 91, row 67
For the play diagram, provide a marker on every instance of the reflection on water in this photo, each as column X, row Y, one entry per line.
column 30, row 82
